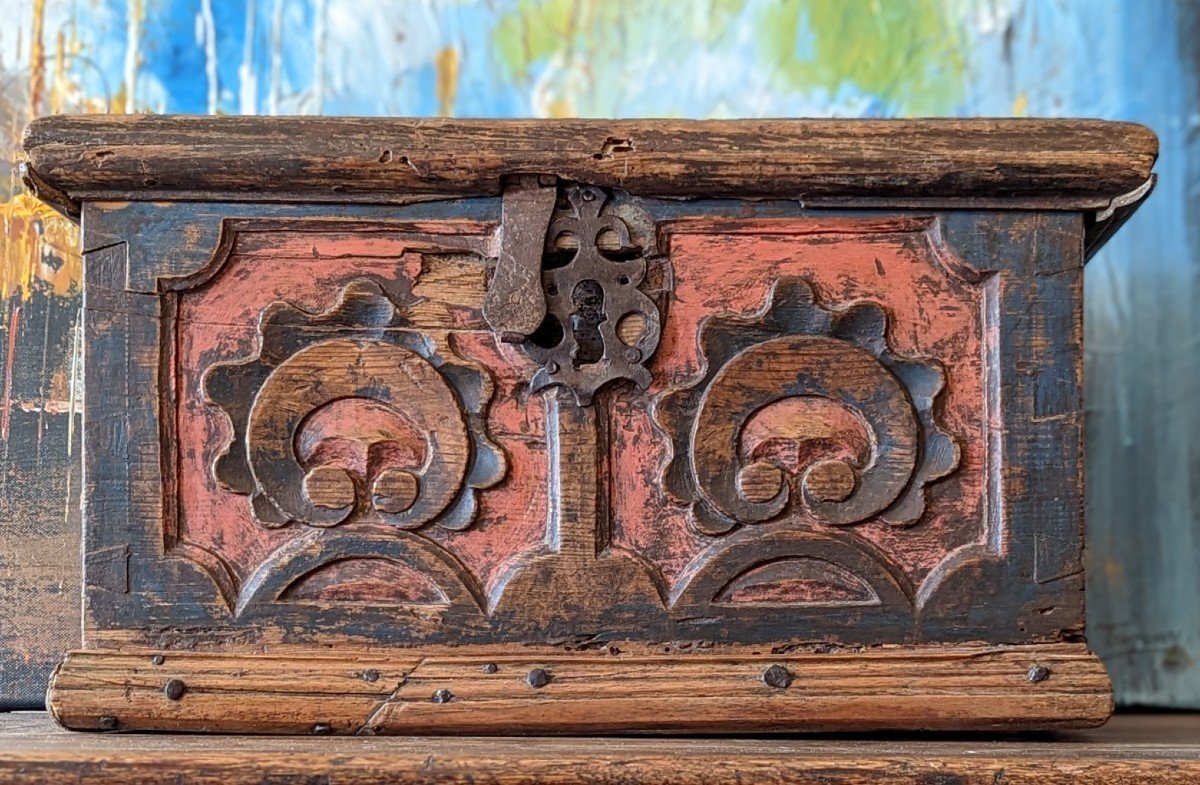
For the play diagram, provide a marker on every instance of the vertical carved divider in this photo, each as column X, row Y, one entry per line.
column 575, row 482
column 576, row 583
column 591, row 260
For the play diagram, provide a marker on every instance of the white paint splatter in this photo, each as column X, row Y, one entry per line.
column 248, row 95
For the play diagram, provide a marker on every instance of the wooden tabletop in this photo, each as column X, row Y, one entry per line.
column 1147, row 748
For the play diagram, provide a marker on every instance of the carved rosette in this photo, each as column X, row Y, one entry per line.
column 350, row 415
column 600, row 326
column 804, row 410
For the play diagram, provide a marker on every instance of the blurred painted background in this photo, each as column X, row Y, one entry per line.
column 1119, row 59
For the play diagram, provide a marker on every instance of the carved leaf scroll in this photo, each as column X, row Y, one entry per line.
column 858, row 437
column 351, row 415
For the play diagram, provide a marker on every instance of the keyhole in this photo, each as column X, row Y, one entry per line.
column 588, row 301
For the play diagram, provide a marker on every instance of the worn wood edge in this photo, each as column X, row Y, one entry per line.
column 55, row 198
column 340, row 158
column 902, row 688
column 1100, row 226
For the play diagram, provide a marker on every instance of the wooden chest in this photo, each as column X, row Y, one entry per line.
column 437, row 426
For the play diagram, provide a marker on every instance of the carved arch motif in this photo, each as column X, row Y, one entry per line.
column 710, row 582
column 303, row 556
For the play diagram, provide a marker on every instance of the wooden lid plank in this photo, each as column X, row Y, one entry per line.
column 1063, row 163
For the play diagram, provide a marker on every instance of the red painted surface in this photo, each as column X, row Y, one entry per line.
column 797, row 432
column 218, row 323
column 717, row 269
column 512, row 516
column 730, row 268
column 362, row 435
column 372, row 581
column 794, row 582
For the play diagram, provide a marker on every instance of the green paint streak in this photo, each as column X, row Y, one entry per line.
column 909, row 54
column 533, row 32
column 604, row 33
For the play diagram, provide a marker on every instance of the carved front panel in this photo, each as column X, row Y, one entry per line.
column 761, row 429
column 467, row 427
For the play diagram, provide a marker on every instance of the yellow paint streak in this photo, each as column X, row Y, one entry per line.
column 40, row 249
column 561, row 106
column 1020, row 104
column 447, row 80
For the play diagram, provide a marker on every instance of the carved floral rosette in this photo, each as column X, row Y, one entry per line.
column 804, row 412
column 350, row 415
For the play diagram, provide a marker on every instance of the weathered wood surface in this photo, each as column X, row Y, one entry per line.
column 498, row 690
column 338, row 159
column 1129, row 750
column 316, row 421
column 846, row 430
column 284, row 487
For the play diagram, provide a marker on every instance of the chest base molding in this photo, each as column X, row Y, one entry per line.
column 498, row 690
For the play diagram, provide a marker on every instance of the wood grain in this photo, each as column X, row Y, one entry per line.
column 1130, row 750
column 903, row 688
column 339, row 159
